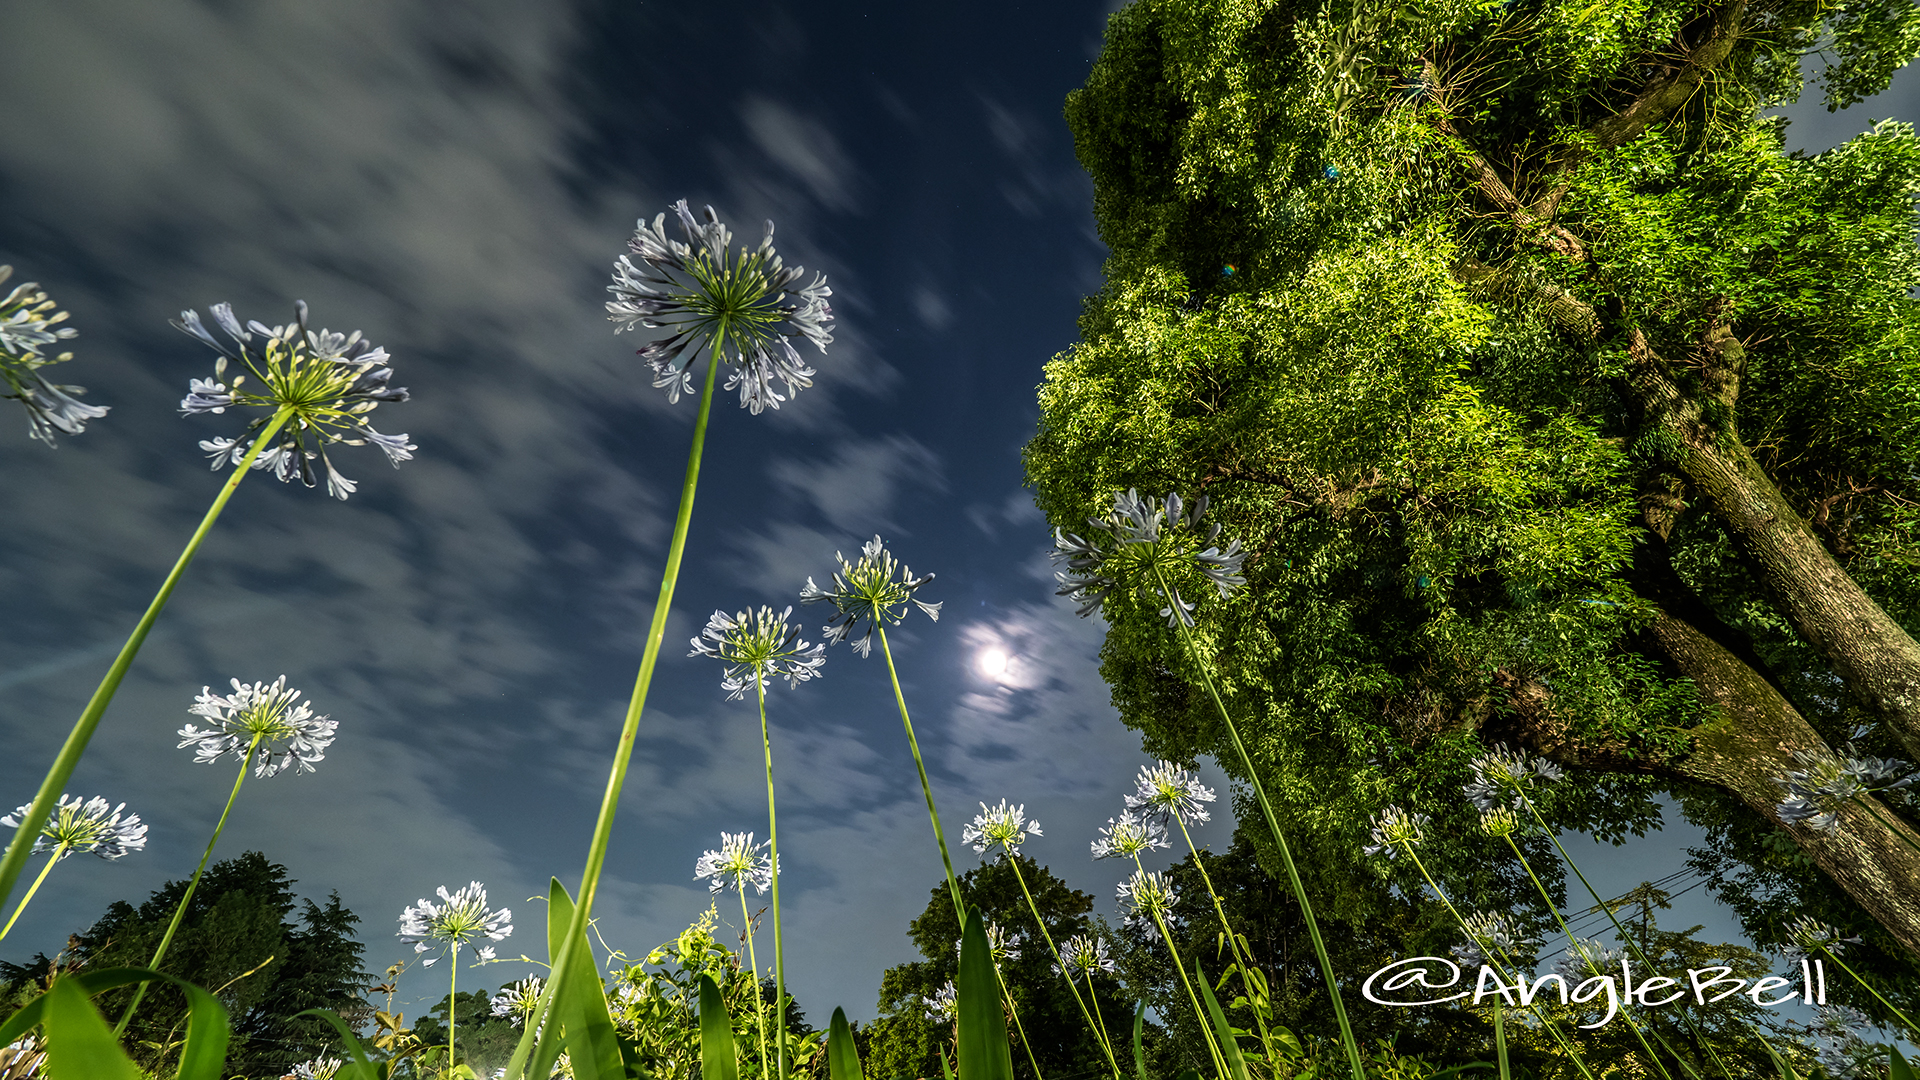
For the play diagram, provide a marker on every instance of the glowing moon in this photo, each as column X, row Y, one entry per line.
column 993, row 663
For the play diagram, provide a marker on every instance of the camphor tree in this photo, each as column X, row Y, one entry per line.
column 1555, row 404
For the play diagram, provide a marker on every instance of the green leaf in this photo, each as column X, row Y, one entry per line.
column 1139, row 1052
column 1901, row 1070
column 1236, row 1065
column 1780, row 1063
column 843, row 1058
column 79, row 1043
column 984, row 1051
column 204, row 1056
column 716, row 1034
column 580, row 1004
column 357, row 1067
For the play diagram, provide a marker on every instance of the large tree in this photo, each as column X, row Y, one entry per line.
column 1556, row 405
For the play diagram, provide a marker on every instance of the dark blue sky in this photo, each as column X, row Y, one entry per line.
column 455, row 180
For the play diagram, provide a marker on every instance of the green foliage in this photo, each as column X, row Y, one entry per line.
column 239, row 938
column 903, row 1042
column 982, row 1050
column 1397, row 403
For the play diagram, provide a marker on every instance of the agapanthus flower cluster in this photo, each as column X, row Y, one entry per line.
column 1148, row 896
column 517, row 1001
column 1140, row 542
column 1838, row 1035
column 1586, row 958
column 1499, row 821
column 749, row 306
column 1491, row 937
column 1809, row 938
column 85, row 826
column 269, row 720
column 1084, row 955
column 29, row 322
column 874, row 589
column 1165, row 792
column 1127, row 836
column 1394, row 828
column 328, row 383
column 1001, row 945
column 737, row 864
column 320, row 1068
column 758, row 645
column 1503, row 777
column 1815, row 792
column 1005, row 827
column 459, row 918
column 944, row 1006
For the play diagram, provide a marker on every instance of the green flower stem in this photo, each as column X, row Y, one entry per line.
column 69, row 757
column 1240, row 957
column 1200, row 1013
column 44, row 871
column 939, row 834
column 453, row 999
column 629, row 731
column 773, row 845
column 180, row 910
column 1099, row 1029
column 1632, row 1024
column 1911, row 1026
column 1498, row 968
column 1500, row 1040
column 759, row 1013
column 1347, row 1040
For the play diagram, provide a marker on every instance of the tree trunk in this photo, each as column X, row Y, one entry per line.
column 1750, row 741
column 1875, row 656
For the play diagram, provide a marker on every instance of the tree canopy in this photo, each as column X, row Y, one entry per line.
column 1556, row 405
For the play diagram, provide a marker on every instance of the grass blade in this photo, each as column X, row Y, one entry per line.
column 843, row 1058
column 985, row 1053
column 1139, row 1052
column 357, row 1067
column 580, row 1004
column 79, row 1043
column 717, row 1061
column 1236, row 1065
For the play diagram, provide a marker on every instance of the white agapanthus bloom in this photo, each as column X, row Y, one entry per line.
column 737, row 864
column 267, row 720
column 758, row 644
column 1504, row 776
column 85, row 826
column 868, row 591
column 1164, row 791
column 1127, row 836
column 1394, row 829
column 28, row 322
column 1000, row 944
column 1004, row 826
column 1085, row 955
column 515, row 1002
column 944, row 1006
column 459, row 918
column 1148, row 897
column 321, row 1068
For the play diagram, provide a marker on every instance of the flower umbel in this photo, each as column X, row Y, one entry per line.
column 873, row 589
column 1394, row 828
column 749, row 305
column 85, row 826
column 1000, row 944
column 739, row 863
column 1003, row 826
column 320, row 1068
column 1139, row 541
column 1085, row 955
column 1127, row 836
column 328, row 383
column 284, row 727
column 516, row 1002
column 1505, row 776
column 1809, row 938
column 28, row 322
column 1586, row 958
column 1164, row 791
column 758, row 644
column 944, row 1006
column 1147, row 896
column 1490, row 936
column 1815, row 792
column 459, row 918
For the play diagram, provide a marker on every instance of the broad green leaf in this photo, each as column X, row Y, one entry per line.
column 204, row 1053
column 1236, row 1065
column 946, row 1067
column 984, row 1051
column 1139, row 1052
column 716, row 1034
column 1900, row 1070
column 204, row 1056
column 843, row 1058
column 80, row 1045
column 580, row 1004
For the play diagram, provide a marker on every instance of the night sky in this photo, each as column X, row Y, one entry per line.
column 455, row 180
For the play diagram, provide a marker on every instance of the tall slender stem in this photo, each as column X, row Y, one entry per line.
column 1200, row 1013
column 180, row 910
column 453, row 999
column 630, row 727
column 69, row 757
column 1099, row 1029
column 759, row 1011
column 773, row 844
column 1911, row 1026
column 44, row 871
column 1347, row 1040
